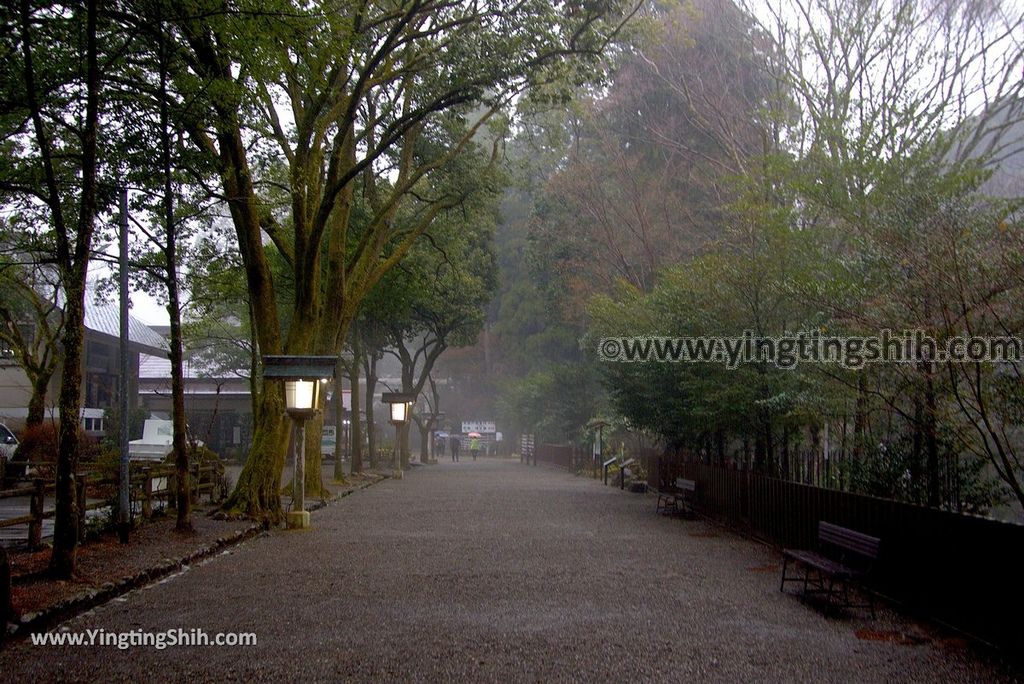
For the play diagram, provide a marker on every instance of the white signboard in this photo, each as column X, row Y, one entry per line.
column 482, row 426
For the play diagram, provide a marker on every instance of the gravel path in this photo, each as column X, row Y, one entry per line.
column 496, row 571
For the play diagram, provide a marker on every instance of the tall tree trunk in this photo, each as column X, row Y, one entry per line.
column 73, row 263
column 339, row 422
column 403, row 444
column 258, row 491
column 760, row 451
column 931, row 441
column 371, row 427
column 404, row 433
column 816, row 448
column 784, row 466
column 37, row 402
column 65, row 530
column 860, row 417
column 182, row 480
column 313, row 456
column 917, row 447
column 356, row 425
column 255, row 377
column 425, row 428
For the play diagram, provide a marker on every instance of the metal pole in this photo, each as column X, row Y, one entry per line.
column 299, row 481
column 397, row 472
column 123, row 499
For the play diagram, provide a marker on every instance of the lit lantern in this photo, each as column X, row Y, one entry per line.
column 302, row 397
column 401, row 406
column 303, row 376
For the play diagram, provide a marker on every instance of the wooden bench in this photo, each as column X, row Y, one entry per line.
column 844, row 558
column 677, row 499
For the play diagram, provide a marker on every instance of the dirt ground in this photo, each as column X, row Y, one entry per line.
column 104, row 561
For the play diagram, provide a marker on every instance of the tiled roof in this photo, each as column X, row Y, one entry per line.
column 106, row 319
column 151, row 367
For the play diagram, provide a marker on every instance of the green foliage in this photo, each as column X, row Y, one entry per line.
column 552, row 404
column 892, row 471
column 869, row 215
column 112, row 426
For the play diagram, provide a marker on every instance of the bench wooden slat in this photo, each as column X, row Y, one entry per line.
column 856, row 553
column 677, row 498
column 848, row 539
column 823, row 563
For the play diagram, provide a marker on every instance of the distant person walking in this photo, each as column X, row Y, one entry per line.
column 474, row 446
column 453, row 445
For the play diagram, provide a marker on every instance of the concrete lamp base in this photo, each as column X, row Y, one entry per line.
column 298, row 520
column 397, row 474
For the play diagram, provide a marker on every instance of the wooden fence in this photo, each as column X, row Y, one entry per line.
column 555, row 454
column 149, row 484
column 961, row 569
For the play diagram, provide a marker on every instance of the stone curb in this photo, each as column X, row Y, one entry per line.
column 75, row 605
column 62, row 611
column 316, row 506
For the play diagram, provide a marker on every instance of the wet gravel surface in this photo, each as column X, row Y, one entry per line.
column 106, row 560
column 496, row 571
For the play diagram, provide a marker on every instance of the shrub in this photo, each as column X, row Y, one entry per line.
column 40, row 444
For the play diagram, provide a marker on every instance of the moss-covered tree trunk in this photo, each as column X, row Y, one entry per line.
column 257, row 493
column 314, row 457
column 65, row 529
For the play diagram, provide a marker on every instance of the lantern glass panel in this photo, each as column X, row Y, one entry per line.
column 301, row 394
column 398, row 412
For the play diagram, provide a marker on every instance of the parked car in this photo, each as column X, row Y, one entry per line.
column 8, row 442
column 8, row 445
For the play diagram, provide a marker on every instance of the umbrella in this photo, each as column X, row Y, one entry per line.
column 473, row 434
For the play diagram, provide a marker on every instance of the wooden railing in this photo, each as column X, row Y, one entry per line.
column 149, row 484
column 557, row 455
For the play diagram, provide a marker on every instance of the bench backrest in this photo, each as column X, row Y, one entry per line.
column 685, row 485
column 849, row 541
